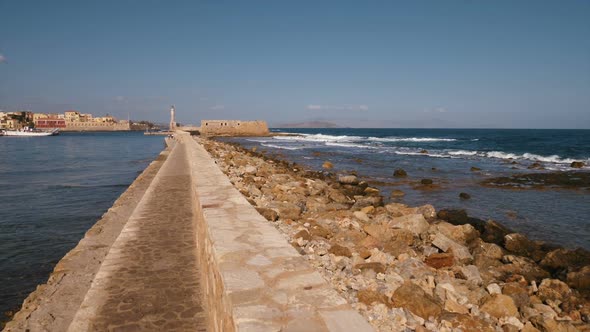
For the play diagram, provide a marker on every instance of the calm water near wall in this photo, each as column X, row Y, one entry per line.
column 52, row 190
column 446, row 156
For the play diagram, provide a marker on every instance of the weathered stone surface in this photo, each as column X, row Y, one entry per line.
column 553, row 289
column 566, row 259
column 415, row 223
column 464, row 322
column 463, row 234
column 499, row 305
column 368, row 296
column 362, row 216
column 269, row 214
column 580, row 279
column 303, row 234
column 518, row 293
column 364, row 201
column 470, row 273
column 440, row 260
column 413, row 298
column 377, row 267
column 286, row 210
column 339, row 250
column 348, row 179
column 520, row 244
column 445, row 244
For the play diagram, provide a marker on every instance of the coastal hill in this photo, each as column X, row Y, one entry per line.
column 309, row 124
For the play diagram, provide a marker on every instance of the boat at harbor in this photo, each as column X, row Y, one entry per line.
column 29, row 132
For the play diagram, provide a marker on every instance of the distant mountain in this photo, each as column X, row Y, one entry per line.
column 309, row 124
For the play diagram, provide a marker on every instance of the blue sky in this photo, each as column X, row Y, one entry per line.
column 498, row 64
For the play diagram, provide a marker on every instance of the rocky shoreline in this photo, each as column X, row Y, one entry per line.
column 413, row 268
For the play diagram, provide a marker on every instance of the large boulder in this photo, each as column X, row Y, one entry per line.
column 577, row 164
column 463, row 234
column 348, row 179
column 339, row 250
column 414, row 223
column 566, row 259
column 553, row 289
column 286, row 210
column 364, row 201
column 413, row 298
column 521, row 245
column 499, row 305
column 445, row 244
column 400, row 173
column 579, row 279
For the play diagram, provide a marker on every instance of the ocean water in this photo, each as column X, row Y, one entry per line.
column 52, row 190
column 446, row 155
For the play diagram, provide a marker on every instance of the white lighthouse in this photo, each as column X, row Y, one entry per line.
column 172, row 120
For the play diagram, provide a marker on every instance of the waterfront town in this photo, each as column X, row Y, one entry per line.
column 70, row 120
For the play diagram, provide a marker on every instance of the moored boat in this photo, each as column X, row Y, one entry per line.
column 29, row 132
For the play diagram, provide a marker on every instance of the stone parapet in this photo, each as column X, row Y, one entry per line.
column 253, row 279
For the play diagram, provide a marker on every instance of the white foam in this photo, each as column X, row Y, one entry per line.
column 462, row 153
column 320, row 138
column 282, row 146
column 349, row 145
column 410, row 139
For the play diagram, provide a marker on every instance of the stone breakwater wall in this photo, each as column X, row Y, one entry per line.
column 53, row 305
column 233, row 128
column 413, row 268
column 96, row 126
column 253, row 279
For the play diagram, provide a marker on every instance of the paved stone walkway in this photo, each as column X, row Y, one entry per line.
column 149, row 281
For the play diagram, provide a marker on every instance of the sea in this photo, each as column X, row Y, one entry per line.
column 558, row 216
column 52, row 190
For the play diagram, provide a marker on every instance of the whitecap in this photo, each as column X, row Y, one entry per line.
column 411, row 139
column 282, row 146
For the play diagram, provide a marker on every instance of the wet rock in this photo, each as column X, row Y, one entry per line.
column 566, row 180
column 499, row 305
column 445, row 244
column 553, row 289
column 269, row 214
column 426, row 182
column 397, row 193
column 494, row 232
column 348, row 179
column 327, row 165
column 440, row 260
column 522, row 266
column 424, row 151
column 580, row 279
column 375, row 266
column 521, row 245
column 413, row 298
column 415, row 223
column 475, row 169
column 368, row 297
column 566, row 259
column 427, row 211
column 577, row 164
column 364, row 201
column 400, row 173
column 371, row 191
column 464, row 196
column 536, row 165
column 339, row 250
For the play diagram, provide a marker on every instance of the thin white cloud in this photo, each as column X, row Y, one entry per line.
column 2, row 58
column 314, row 107
column 217, row 107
